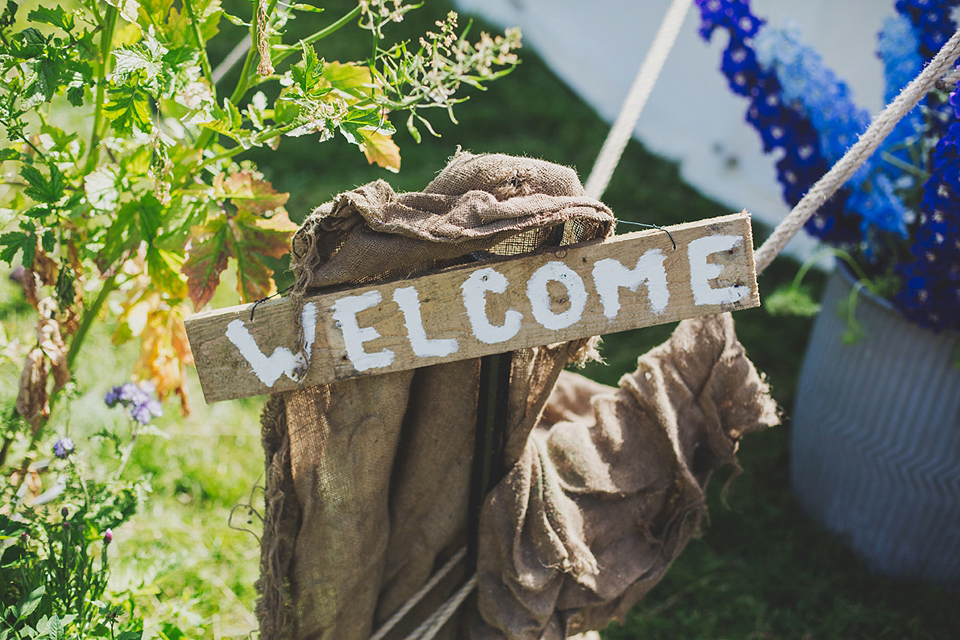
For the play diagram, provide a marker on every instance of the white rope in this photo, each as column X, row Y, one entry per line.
column 235, row 56
column 418, row 596
column 623, row 127
column 429, row 628
column 857, row 154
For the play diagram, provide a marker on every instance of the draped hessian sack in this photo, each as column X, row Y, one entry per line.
column 367, row 479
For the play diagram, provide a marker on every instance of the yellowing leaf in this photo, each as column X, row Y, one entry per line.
column 352, row 79
column 248, row 192
column 253, row 235
column 164, row 352
column 279, row 221
column 207, row 255
column 246, row 238
column 380, row 148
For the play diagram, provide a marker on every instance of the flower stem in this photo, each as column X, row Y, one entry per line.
column 106, row 42
column 195, row 29
column 89, row 315
column 319, row 35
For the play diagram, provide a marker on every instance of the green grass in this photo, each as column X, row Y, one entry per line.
column 759, row 570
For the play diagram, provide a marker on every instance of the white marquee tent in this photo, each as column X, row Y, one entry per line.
column 692, row 117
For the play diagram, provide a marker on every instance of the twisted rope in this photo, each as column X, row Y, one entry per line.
column 429, row 628
column 636, row 99
column 856, row 155
column 418, row 596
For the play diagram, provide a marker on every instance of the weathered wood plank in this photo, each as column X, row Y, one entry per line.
column 629, row 281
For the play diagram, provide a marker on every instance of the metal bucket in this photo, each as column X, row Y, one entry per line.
column 876, row 437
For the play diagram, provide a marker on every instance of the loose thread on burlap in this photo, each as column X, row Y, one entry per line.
column 262, row 300
column 856, row 155
column 251, row 511
column 418, row 596
column 646, row 225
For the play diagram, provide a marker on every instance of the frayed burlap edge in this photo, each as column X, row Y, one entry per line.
column 281, row 520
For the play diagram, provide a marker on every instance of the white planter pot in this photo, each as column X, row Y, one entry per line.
column 876, row 438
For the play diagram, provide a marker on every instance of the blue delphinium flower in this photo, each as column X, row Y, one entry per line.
column 781, row 125
column 931, row 291
column 898, row 49
column 933, row 26
column 807, row 82
column 931, row 21
column 137, row 398
column 804, row 112
column 817, row 93
column 63, row 447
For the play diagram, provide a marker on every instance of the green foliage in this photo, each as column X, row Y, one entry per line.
column 796, row 300
column 127, row 155
column 127, row 200
column 53, row 569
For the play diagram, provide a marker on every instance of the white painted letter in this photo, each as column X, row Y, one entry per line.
column 282, row 360
column 474, row 300
column 609, row 275
column 423, row 346
column 345, row 312
column 540, row 297
column 701, row 271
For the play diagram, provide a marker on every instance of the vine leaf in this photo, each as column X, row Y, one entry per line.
column 58, row 17
column 208, row 251
column 134, row 222
column 243, row 236
column 129, row 107
column 41, row 188
column 352, row 79
column 179, row 29
column 248, row 192
column 380, row 148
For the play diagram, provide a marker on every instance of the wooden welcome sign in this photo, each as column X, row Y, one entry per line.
column 555, row 295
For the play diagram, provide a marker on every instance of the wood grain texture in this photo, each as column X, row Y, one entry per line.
column 548, row 296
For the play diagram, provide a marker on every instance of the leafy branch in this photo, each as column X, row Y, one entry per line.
column 132, row 202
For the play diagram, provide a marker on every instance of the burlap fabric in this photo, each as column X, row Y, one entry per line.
column 610, row 485
column 367, row 480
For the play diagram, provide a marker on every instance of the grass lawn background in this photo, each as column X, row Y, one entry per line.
column 760, row 569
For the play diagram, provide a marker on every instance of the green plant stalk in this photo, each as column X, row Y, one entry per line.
column 195, row 29
column 263, row 138
column 89, row 315
column 106, row 40
column 247, row 74
column 319, row 35
column 905, row 166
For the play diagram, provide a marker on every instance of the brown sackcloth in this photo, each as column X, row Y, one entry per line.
column 367, row 479
column 610, row 485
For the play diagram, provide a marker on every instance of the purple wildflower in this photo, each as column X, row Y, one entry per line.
column 108, row 536
column 63, row 447
column 112, row 397
column 146, row 411
column 137, row 399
